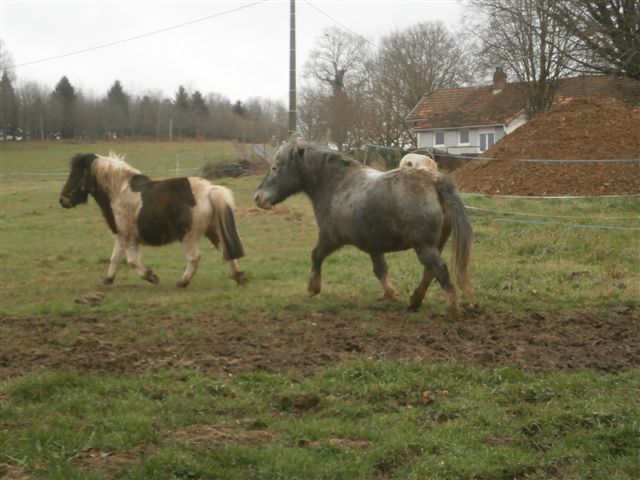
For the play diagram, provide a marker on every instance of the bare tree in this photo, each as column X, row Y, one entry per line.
column 525, row 38
column 421, row 59
column 338, row 60
column 337, row 64
column 409, row 64
column 606, row 34
column 33, row 108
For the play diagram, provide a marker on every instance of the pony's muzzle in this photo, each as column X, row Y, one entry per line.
column 65, row 202
column 262, row 200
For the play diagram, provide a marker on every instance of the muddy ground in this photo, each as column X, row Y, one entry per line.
column 299, row 345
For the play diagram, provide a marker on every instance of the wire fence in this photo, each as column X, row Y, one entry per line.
column 480, row 212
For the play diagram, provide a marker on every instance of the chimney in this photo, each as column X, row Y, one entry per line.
column 499, row 80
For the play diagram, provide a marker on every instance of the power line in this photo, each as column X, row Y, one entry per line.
column 143, row 35
column 339, row 23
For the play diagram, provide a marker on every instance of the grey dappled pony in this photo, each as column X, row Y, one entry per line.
column 377, row 212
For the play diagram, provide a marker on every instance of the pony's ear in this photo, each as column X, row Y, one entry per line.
column 83, row 161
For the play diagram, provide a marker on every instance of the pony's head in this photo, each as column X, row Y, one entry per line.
column 283, row 178
column 81, row 181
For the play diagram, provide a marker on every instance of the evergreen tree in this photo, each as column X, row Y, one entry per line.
column 64, row 99
column 8, row 106
column 147, row 117
column 118, row 109
column 199, row 113
column 238, row 108
column 182, row 113
column 198, row 105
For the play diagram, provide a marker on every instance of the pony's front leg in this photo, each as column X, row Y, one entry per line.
column 322, row 250
column 134, row 258
column 418, row 295
column 192, row 252
column 381, row 271
column 116, row 257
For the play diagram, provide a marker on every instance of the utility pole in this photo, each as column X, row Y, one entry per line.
column 292, row 69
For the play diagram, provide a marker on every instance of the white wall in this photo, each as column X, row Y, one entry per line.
column 452, row 136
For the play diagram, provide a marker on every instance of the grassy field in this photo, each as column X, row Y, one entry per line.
column 370, row 419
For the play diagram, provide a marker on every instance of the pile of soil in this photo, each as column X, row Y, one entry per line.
column 585, row 129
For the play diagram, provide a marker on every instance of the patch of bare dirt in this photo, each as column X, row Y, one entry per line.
column 299, row 345
column 8, row 472
column 585, row 129
column 199, row 435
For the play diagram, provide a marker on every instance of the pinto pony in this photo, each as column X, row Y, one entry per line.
column 142, row 211
column 377, row 212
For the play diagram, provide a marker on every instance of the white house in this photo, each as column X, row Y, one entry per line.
column 470, row 120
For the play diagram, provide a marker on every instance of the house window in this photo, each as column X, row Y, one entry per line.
column 439, row 139
column 487, row 139
column 464, row 137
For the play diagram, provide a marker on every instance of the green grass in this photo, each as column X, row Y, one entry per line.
column 50, row 256
column 371, row 420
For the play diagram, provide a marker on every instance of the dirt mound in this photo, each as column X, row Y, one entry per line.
column 302, row 344
column 511, row 177
column 585, row 129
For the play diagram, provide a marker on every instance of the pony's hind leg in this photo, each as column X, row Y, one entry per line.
column 192, row 252
column 116, row 257
column 381, row 271
column 134, row 258
column 435, row 267
column 236, row 273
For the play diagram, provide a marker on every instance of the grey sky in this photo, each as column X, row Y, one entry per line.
column 239, row 54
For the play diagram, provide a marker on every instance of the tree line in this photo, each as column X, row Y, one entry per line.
column 355, row 91
column 32, row 112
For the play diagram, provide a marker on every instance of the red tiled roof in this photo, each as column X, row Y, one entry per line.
column 457, row 107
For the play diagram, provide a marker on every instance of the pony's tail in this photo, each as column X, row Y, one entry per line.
column 222, row 201
column 461, row 228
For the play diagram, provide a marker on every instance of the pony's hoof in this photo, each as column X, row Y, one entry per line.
column 315, row 284
column 149, row 276
column 240, row 278
column 313, row 291
column 182, row 284
column 108, row 281
column 392, row 297
column 414, row 304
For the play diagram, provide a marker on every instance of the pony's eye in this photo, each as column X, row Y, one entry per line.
column 274, row 169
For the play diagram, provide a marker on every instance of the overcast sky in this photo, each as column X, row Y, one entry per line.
column 239, row 49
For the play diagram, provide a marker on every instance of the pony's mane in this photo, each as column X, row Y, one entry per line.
column 316, row 153
column 112, row 171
